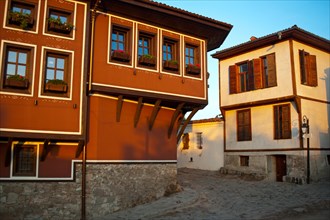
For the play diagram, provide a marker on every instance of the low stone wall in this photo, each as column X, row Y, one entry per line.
column 109, row 187
column 117, row 186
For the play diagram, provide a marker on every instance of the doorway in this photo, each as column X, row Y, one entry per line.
column 280, row 167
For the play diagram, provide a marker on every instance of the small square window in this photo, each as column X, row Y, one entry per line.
column 244, row 161
column 59, row 22
column 25, row 158
column 21, row 15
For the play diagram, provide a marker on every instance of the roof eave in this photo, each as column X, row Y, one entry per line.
column 213, row 31
column 294, row 33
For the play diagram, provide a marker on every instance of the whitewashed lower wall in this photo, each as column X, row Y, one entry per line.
column 210, row 156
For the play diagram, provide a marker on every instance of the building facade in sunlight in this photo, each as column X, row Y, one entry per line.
column 92, row 95
column 269, row 88
column 201, row 146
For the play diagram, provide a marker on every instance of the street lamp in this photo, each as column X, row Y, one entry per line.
column 305, row 131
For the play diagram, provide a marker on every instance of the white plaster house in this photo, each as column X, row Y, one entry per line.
column 267, row 86
column 201, row 146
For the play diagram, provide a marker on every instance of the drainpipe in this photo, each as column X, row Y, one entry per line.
column 92, row 47
column 83, row 185
column 84, row 153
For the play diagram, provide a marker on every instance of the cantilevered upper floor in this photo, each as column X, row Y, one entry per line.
column 144, row 49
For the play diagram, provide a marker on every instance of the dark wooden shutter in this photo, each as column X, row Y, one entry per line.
column 257, row 72
column 303, row 79
column 250, row 83
column 244, row 125
column 312, row 72
column 271, row 70
column 232, row 79
column 286, row 121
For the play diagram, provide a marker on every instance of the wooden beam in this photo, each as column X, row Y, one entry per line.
column 119, row 107
column 138, row 111
column 174, row 117
column 154, row 114
column 45, row 151
column 183, row 127
column 8, row 152
column 80, row 148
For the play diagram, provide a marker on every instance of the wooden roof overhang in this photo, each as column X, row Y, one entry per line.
column 162, row 15
column 294, row 33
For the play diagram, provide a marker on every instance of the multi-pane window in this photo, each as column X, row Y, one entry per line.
column 244, row 125
column 16, row 62
column 16, row 73
column 190, row 55
column 59, row 22
column 24, row 163
column 199, row 140
column 146, row 50
column 21, row 8
column 118, row 40
column 253, row 74
column 55, row 67
column 243, row 77
column 282, row 122
column 170, row 55
column 144, row 47
column 308, row 71
column 168, row 51
column 21, row 15
column 120, row 44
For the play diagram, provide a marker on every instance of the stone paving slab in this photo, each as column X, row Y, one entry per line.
column 211, row 195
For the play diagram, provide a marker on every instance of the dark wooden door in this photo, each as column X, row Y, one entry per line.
column 280, row 167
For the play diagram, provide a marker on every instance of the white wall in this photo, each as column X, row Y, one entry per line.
column 322, row 90
column 283, row 74
column 210, row 157
column 262, row 128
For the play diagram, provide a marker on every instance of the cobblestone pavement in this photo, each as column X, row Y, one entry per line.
column 211, row 195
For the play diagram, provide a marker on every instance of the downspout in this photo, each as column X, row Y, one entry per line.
column 83, row 185
column 84, row 155
column 91, row 58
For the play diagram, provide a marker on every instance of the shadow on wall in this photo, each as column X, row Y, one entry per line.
column 325, row 137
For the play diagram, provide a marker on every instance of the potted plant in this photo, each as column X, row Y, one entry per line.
column 17, row 81
column 120, row 55
column 24, row 20
column 193, row 69
column 56, row 85
column 171, row 65
column 147, row 60
column 56, row 25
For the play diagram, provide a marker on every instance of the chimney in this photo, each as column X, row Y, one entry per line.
column 253, row 38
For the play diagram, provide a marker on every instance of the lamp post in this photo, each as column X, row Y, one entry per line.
column 305, row 131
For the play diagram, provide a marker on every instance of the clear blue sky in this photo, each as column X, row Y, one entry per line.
column 254, row 18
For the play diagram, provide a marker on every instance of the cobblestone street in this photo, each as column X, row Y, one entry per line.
column 211, row 195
